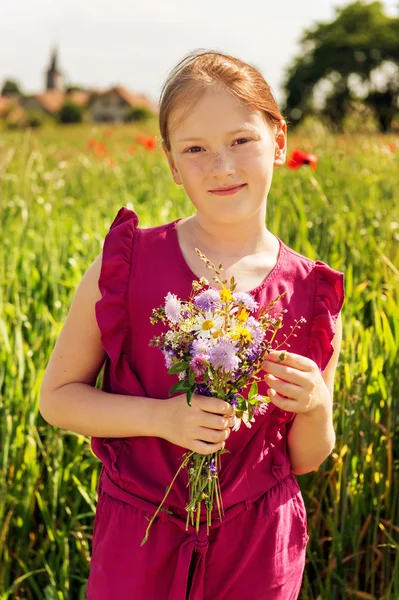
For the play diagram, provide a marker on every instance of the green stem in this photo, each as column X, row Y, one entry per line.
column 198, row 516
column 186, row 460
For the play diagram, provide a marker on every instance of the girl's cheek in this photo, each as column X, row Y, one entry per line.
column 194, row 166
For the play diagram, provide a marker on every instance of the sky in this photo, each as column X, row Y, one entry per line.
column 103, row 43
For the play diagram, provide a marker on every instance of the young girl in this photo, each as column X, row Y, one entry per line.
column 222, row 134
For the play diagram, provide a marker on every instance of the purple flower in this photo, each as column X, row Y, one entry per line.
column 172, row 308
column 234, row 400
column 256, row 330
column 200, row 346
column 207, row 299
column 202, row 390
column 168, row 358
column 212, row 466
column 254, row 353
column 223, row 355
column 247, row 300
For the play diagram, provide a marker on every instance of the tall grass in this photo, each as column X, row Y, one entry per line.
column 57, row 200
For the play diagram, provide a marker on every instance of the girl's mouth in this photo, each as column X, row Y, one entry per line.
column 229, row 191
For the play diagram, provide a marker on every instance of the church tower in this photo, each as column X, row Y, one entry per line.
column 54, row 77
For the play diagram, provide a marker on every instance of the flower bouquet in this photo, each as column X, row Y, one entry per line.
column 216, row 345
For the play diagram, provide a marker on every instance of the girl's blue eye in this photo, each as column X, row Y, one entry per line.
column 237, row 140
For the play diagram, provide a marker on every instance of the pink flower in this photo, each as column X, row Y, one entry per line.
column 199, row 364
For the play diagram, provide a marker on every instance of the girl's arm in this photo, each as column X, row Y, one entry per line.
column 68, row 398
column 311, row 437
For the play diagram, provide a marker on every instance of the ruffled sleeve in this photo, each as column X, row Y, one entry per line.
column 328, row 300
column 112, row 309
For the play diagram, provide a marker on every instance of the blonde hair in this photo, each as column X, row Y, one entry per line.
column 200, row 70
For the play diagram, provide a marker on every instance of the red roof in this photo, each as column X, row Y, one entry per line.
column 129, row 97
column 5, row 104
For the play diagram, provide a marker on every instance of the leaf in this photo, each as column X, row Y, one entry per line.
column 253, row 390
column 180, row 386
column 190, row 393
column 191, row 376
column 179, row 368
column 241, row 401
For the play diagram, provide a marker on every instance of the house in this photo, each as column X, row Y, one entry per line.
column 50, row 102
column 113, row 105
column 11, row 109
column 116, row 104
column 6, row 104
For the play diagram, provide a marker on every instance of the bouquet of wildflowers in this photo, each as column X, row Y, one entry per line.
column 216, row 345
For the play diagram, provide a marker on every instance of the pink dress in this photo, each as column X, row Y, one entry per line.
column 258, row 550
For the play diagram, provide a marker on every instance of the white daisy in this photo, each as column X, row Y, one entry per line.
column 209, row 325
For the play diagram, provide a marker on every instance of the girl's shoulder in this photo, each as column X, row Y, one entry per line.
column 127, row 219
column 305, row 265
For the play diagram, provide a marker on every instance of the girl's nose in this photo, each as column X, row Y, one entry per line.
column 222, row 164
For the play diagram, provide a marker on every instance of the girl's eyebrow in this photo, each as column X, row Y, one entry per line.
column 193, row 139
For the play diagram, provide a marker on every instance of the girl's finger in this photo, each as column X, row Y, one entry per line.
column 282, row 387
column 284, row 403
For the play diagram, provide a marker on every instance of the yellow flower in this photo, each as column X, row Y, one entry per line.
column 217, row 334
column 207, row 325
column 225, row 294
column 240, row 332
column 243, row 315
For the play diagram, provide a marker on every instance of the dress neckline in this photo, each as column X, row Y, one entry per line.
column 187, row 268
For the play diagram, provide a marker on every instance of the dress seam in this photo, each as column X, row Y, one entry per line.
column 130, row 292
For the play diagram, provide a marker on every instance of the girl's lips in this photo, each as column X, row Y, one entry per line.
column 228, row 192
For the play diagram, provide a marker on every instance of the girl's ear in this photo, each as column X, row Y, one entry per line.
column 280, row 141
column 173, row 170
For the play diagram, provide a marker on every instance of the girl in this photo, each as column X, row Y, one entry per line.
column 222, row 134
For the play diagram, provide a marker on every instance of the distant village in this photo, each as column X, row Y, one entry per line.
column 112, row 105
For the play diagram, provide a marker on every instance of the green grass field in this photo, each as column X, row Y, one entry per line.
column 59, row 192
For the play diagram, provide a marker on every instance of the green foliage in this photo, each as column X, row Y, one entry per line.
column 74, row 88
column 10, row 88
column 360, row 40
column 70, row 112
column 34, row 119
column 140, row 113
column 384, row 105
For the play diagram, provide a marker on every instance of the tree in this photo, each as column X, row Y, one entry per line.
column 74, row 88
column 139, row 113
column 10, row 88
column 70, row 112
column 345, row 59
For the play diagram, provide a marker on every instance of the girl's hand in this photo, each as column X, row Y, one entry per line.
column 206, row 420
column 303, row 389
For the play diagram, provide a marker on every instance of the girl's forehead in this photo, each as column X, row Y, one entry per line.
column 218, row 110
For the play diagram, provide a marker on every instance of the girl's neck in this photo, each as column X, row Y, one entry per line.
column 230, row 241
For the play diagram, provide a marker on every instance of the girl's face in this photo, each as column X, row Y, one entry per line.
column 223, row 143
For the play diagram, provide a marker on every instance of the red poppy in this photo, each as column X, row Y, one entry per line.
column 110, row 163
column 131, row 149
column 108, row 133
column 148, row 142
column 100, row 149
column 91, row 143
column 298, row 158
column 391, row 147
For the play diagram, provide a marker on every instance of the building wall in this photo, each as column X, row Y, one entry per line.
column 32, row 104
column 109, row 108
